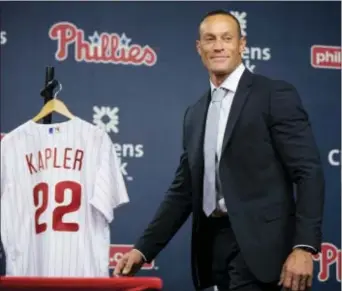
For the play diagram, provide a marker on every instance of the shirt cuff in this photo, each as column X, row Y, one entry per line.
column 305, row 246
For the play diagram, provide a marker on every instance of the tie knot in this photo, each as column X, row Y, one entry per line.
column 218, row 94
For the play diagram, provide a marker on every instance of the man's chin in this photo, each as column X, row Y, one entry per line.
column 220, row 71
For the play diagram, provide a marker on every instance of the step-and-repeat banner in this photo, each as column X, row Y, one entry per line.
column 132, row 69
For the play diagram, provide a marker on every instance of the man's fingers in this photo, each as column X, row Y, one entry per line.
column 120, row 265
column 282, row 276
column 128, row 266
column 287, row 279
column 303, row 282
column 295, row 282
column 309, row 281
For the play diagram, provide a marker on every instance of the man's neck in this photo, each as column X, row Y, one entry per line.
column 218, row 79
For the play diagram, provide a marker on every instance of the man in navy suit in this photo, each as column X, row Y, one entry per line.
column 246, row 143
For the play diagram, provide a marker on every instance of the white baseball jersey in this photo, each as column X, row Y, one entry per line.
column 59, row 186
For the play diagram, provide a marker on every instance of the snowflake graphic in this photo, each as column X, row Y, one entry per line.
column 242, row 18
column 106, row 112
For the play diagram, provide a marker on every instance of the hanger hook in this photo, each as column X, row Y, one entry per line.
column 58, row 90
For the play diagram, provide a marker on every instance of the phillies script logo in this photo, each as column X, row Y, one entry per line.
column 117, row 251
column 329, row 259
column 104, row 48
column 326, row 57
column 2, row 135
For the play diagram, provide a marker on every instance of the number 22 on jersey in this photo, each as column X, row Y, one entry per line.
column 41, row 195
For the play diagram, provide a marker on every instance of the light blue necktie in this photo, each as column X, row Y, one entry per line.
column 210, row 144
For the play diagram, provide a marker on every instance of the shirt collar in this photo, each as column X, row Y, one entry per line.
column 232, row 81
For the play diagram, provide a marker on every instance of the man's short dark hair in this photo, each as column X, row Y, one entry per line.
column 223, row 12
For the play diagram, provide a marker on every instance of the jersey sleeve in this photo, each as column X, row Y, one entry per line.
column 3, row 169
column 6, row 223
column 109, row 189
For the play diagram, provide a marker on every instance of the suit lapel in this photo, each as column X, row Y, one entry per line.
column 200, row 115
column 239, row 100
column 199, row 121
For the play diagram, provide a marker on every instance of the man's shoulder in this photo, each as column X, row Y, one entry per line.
column 196, row 106
column 271, row 83
column 263, row 82
column 203, row 98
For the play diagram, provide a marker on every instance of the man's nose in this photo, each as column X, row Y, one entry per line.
column 218, row 45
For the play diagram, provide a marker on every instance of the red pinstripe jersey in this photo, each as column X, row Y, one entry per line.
column 59, row 186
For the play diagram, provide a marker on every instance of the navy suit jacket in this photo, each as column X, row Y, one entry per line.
column 268, row 149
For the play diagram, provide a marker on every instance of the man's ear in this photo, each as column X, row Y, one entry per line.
column 198, row 47
column 243, row 42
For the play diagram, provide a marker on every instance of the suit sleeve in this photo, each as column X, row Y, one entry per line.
column 172, row 213
column 293, row 137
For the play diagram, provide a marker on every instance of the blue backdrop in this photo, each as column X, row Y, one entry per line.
column 132, row 68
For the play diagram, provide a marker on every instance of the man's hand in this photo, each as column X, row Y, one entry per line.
column 129, row 264
column 297, row 272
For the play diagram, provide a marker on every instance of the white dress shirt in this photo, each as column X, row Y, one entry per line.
column 230, row 83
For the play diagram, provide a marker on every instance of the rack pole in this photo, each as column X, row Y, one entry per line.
column 48, row 94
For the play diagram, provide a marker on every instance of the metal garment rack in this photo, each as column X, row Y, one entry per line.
column 47, row 92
